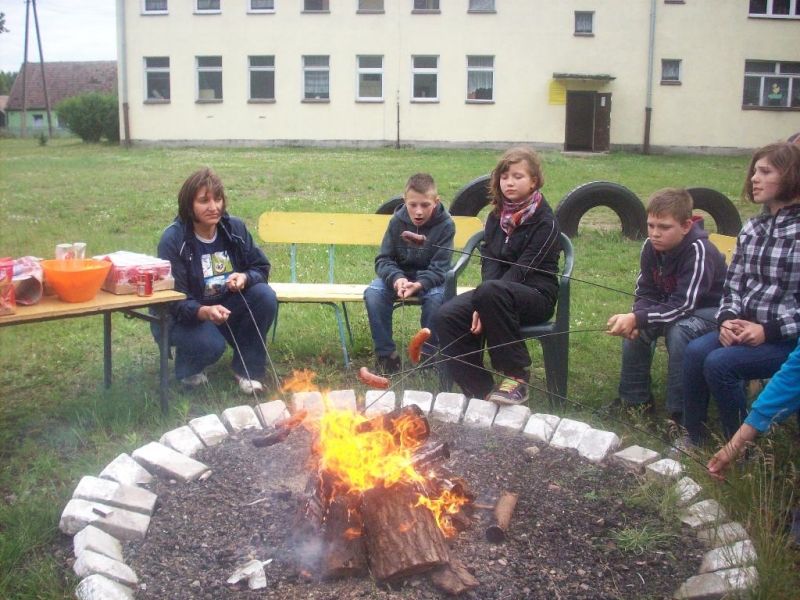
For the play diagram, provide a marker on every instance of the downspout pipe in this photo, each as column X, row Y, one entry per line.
column 122, row 63
column 648, row 109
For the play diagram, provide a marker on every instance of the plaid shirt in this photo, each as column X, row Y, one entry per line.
column 763, row 280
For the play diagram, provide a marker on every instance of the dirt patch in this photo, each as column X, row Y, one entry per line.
column 562, row 541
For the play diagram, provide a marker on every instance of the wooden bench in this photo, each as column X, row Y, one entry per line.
column 331, row 230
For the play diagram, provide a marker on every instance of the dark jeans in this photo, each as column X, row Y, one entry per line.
column 503, row 306
column 199, row 345
column 711, row 369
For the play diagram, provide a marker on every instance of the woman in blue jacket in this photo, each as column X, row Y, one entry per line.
column 224, row 276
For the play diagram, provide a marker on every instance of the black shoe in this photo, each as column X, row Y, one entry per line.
column 676, row 417
column 617, row 406
column 389, row 364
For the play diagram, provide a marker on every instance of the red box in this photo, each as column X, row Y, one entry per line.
column 124, row 275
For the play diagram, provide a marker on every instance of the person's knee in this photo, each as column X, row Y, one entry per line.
column 486, row 294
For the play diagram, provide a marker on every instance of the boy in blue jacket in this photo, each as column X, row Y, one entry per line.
column 678, row 290
column 405, row 270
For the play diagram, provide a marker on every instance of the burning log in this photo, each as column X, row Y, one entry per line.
column 282, row 430
column 408, row 423
column 401, row 540
column 344, row 547
column 503, row 510
column 429, row 453
column 453, row 578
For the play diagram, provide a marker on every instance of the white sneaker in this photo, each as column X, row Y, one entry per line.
column 195, row 380
column 249, row 386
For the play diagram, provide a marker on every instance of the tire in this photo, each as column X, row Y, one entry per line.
column 625, row 204
column 387, row 208
column 719, row 206
column 471, row 198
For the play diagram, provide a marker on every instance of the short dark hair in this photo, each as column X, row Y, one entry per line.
column 422, row 183
column 785, row 157
column 674, row 202
column 510, row 157
column 204, row 178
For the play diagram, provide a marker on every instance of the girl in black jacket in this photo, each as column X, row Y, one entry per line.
column 519, row 272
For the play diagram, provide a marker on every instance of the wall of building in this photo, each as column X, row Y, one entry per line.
column 530, row 41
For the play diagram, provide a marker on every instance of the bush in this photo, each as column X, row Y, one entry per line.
column 91, row 116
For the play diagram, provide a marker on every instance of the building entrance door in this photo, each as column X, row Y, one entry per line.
column 588, row 123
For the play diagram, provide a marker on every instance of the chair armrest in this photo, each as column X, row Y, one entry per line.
column 451, row 277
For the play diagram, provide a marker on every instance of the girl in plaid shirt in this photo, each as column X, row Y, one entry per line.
column 759, row 315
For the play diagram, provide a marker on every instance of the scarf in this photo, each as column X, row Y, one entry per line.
column 514, row 215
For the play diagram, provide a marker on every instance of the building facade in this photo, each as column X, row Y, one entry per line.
column 587, row 75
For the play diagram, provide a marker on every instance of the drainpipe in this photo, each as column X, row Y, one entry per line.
column 648, row 109
column 122, row 62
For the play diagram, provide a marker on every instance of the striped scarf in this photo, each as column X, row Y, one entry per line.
column 514, row 215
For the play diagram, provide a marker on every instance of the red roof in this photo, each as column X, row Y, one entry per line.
column 64, row 80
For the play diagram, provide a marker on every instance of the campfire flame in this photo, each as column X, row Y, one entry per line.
column 356, row 458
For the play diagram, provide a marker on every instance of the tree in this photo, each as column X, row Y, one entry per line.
column 91, row 116
column 3, row 23
column 6, row 81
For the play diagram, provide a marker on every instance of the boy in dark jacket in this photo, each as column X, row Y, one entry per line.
column 678, row 290
column 405, row 270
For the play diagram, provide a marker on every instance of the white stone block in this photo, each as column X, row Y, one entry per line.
column 124, row 469
column 718, row 584
column 511, row 419
column 209, row 429
column 666, row 468
column 422, row 399
column 596, row 445
column 480, row 413
column 702, row 514
column 97, row 587
column 379, row 402
column 97, row 540
column 343, row 400
column 165, row 461
column 130, row 497
column 122, row 524
column 311, row 401
column 569, row 433
column 723, row 535
column 240, row 418
column 540, row 427
column 271, row 412
column 738, row 554
column 635, row 458
column 687, row 490
column 90, row 563
column 182, row 440
column 449, row 407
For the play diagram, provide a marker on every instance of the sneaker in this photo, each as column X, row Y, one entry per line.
column 389, row 364
column 618, row 405
column 249, row 386
column 510, row 391
column 195, row 380
column 679, row 448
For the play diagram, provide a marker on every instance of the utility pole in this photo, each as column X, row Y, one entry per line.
column 25, row 69
column 44, row 77
column 23, row 133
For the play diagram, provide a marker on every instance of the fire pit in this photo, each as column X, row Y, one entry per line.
column 259, row 505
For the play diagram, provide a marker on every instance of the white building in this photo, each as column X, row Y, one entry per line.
column 664, row 75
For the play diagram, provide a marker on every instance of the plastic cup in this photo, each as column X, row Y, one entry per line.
column 79, row 250
column 64, row 251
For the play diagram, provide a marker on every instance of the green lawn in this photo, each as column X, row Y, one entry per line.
column 58, row 423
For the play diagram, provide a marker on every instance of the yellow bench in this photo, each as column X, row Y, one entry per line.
column 333, row 229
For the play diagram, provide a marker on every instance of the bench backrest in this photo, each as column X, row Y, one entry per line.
column 354, row 229
column 724, row 243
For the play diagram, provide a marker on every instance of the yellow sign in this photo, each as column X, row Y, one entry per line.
column 557, row 92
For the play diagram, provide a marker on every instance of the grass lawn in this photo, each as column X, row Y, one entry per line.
column 58, row 423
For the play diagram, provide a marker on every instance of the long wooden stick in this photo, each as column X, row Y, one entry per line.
column 503, row 510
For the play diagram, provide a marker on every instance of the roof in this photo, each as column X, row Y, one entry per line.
column 64, row 80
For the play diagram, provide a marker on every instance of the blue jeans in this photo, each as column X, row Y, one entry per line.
column 711, row 369
column 380, row 301
column 637, row 358
column 199, row 345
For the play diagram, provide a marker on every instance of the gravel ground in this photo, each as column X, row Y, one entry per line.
column 561, row 542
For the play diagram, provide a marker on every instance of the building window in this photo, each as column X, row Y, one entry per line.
column 769, row 84
column 262, row 6
column 316, row 78
column 208, row 6
column 584, row 23
column 209, row 78
column 480, row 78
column 370, row 78
column 150, row 7
column 481, row 6
column 262, row 77
column 426, row 6
column 38, row 121
column 776, row 9
column 315, row 6
column 370, row 6
column 670, row 71
column 425, row 78
column 156, row 78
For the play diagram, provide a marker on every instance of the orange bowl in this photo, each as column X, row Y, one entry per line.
column 76, row 280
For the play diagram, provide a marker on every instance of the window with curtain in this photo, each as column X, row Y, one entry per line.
column 584, row 23
column 315, row 5
column 316, row 78
column 151, row 6
column 262, row 77
column 425, row 78
column 480, row 78
column 370, row 5
column 426, row 4
column 670, row 71
column 370, row 78
column 208, row 5
column 481, row 6
column 209, row 78
column 776, row 9
column 156, row 78
column 771, row 84
column 262, row 5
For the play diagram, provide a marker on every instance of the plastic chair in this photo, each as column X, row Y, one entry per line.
column 553, row 335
